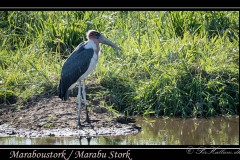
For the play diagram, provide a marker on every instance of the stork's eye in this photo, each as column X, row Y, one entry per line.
column 97, row 34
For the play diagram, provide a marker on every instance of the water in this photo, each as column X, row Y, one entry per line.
column 172, row 131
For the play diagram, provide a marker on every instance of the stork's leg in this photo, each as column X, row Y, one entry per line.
column 79, row 104
column 85, row 101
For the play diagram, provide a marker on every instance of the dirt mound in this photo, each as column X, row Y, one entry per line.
column 53, row 117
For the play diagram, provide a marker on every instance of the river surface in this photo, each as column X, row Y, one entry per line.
column 155, row 131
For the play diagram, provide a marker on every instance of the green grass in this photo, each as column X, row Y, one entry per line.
column 173, row 63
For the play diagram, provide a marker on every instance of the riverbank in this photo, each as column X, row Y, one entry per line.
column 50, row 116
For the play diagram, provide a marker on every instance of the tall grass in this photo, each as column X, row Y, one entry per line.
column 172, row 63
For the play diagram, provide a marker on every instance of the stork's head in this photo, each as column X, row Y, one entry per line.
column 99, row 38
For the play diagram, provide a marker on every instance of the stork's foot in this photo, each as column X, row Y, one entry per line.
column 87, row 120
column 79, row 126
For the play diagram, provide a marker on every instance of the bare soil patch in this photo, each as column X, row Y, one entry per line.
column 50, row 116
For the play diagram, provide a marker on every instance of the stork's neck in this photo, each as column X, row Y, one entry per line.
column 92, row 44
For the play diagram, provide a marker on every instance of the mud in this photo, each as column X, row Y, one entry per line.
column 50, row 116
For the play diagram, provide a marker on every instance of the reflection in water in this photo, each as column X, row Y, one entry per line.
column 172, row 131
column 214, row 131
column 87, row 138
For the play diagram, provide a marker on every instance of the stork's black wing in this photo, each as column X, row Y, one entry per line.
column 73, row 68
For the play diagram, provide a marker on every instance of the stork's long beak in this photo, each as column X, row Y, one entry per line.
column 106, row 41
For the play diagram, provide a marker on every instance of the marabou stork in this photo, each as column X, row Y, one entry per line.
column 79, row 65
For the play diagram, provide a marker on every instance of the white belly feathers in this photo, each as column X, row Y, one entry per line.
column 92, row 65
column 94, row 59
